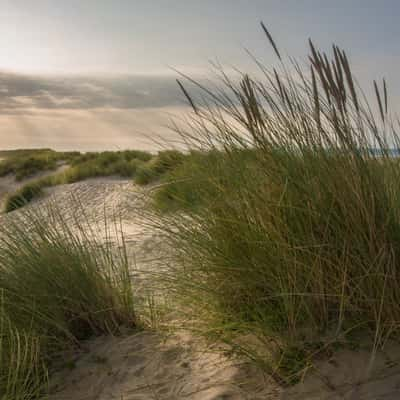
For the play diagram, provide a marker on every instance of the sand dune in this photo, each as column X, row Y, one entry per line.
column 147, row 365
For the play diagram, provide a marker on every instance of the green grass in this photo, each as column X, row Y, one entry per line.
column 190, row 185
column 59, row 285
column 158, row 166
column 23, row 196
column 22, row 373
column 27, row 163
column 290, row 233
column 108, row 163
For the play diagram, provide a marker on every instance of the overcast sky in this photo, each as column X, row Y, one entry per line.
column 94, row 74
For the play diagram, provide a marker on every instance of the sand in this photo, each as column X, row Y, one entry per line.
column 144, row 366
column 350, row 375
column 148, row 365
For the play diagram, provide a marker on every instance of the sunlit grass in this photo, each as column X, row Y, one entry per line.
column 26, row 163
column 296, row 239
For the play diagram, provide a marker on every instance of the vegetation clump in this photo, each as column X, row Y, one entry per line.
column 294, row 236
column 27, row 163
column 158, row 166
column 59, row 285
column 23, row 196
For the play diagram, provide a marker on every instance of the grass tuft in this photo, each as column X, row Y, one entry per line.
column 59, row 285
column 295, row 235
column 27, row 163
column 23, row 196
column 158, row 166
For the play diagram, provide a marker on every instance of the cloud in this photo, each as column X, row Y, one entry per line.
column 88, row 112
column 95, row 129
column 20, row 94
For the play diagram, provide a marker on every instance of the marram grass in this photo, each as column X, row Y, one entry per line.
column 297, row 239
column 59, row 285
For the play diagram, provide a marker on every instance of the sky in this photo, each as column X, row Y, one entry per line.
column 99, row 74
